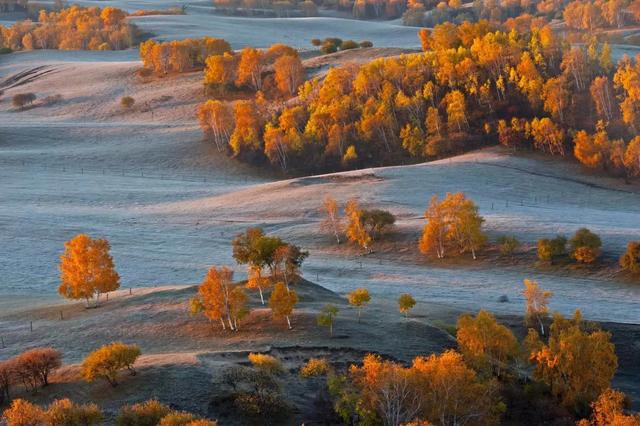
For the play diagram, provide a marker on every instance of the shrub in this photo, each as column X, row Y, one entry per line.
column 106, row 361
column 349, row 44
column 507, row 245
column 377, row 221
column 266, row 363
column 406, row 302
column 21, row 100
column 64, row 412
column 5, row 50
column 366, row 43
column 148, row 413
column 630, row 260
column 256, row 393
column 177, row 418
column 145, row 72
column 33, row 367
column 551, row 248
column 315, row 367
column 24, row 413
column 316, row 42
column 585, row 246
column 127, row 102
column 328, row 47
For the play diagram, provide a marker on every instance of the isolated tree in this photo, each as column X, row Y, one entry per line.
column 327, row 316
column 332, row 221
column 630, row 260
column 576, row 364
column 213, row 296
column 406, row 302
column 356, row 230
column 359, row 298
column 145, row 413
column 64, row 412
column 282, row 302
column 585, row 246
column 87, row 269
column 485, row 344
column 108, row 360
column 24, row 413
column 537, row 300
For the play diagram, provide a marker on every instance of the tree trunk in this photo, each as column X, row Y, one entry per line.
column 261, row 296
column 288, row 322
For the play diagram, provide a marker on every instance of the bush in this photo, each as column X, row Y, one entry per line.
column 630, row 260
column 315, row 367
column 377, row 221
column 366, row 43
column 21, row 100
column 145, row 72
column 7, row 379
column 585, row 246
column 316, row 42
column 108, row 360
column 127, row 102
column 5, row 50
column 256, row 393
column 177, row 418
column 23, row 413
column 548, row 249
column 507, row 245
column 148, row 413
column 33, row 367
column 349, row 44
column 328, row 47
column 64, row 412
column 266, row 363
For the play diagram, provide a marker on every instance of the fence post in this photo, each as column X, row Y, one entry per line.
column 2, row 341
column 31, row 326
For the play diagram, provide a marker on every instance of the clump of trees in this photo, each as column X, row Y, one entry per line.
column 107, row 361
column 550, row 249
column 453, row 225
column 21, row 100
column 630, row 260
column 180, row 55
column 87, row 269
column 219, row 299
column 584, row 247
column 73, row 28
column 332, row 44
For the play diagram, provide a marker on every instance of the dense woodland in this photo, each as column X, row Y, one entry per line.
column 474, row 85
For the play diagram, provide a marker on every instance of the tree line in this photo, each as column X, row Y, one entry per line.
column 74, row 28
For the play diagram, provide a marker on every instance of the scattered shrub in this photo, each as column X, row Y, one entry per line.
column 21, row 100
column 366, row 43
column 267, row 363
column 33, row 367
column 349, row 44
column 507, row 245
column 127, row 102
column 630, row 260
column 585, row 246
column 108, row 360
column 64, row 412
column 548, row 249
column 315, row 367
column 148, row 413
column 24, row 413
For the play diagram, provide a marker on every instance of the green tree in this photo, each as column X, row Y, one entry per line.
column 359, row 298
column 327, row 316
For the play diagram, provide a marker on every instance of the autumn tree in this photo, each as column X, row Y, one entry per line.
column 282, row 302
column 585, row 246
column 630, row 260
column 289, row 74
column 7, row 379
column 108, row 360
column 145, row 413
column 452, row 223
column 327, row 316
column 34, row 366
column 548, row 249
column 87, row 269
column 356, row 230
column 632, row 157
column 406, row 302
column 288, row 259
column 245, row 139
column 216, row 119
column 213, row 297
column 609, row 410
column 24, row 413
column 220, row 71
column 485, row 344
column 250, row 68
column 537, row 303
column 359, row 298
column 577, row 364
column 332, row 221
column 267, row 363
